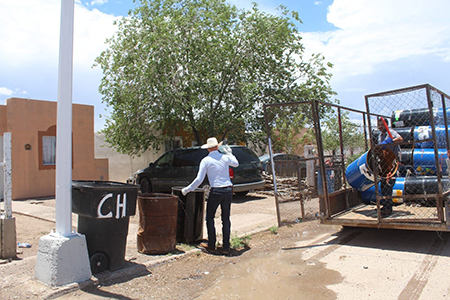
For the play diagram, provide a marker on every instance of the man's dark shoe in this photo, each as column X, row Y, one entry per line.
column 208, row 249
column 386, row 211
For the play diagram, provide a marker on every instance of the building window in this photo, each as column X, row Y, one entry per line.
column 49, row 150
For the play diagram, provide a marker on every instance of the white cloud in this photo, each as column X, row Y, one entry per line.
column 353, row 90
column 91, row 30
column 374, row 32
column 5, row 91
column 99, row 2
column 30, row 33
column 29, row 50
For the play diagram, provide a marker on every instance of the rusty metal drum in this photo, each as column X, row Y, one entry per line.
column 157, row 223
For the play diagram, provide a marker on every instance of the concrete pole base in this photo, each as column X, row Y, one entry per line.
column 62, row 260
column 8, row 238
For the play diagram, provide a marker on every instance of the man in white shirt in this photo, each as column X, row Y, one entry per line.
column 216, row 165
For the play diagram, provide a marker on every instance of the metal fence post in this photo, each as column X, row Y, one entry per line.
column 6, row 165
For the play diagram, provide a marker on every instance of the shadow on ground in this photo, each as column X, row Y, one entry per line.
column 426, row 242
column 247, row 198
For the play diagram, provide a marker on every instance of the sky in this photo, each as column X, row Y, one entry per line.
column 375, row 46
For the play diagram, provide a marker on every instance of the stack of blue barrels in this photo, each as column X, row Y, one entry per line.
column 417, row 172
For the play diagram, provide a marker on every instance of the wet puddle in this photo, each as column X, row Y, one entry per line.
column 280, row 274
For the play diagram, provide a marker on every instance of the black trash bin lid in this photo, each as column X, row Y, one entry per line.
column 97, row 184
column 179, row 188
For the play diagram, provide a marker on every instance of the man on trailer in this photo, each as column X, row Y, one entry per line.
column 388, row 136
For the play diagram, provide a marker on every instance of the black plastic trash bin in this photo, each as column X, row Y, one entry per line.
column 191, row 211
column 104, row 209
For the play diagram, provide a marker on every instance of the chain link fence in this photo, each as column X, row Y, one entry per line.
column 394, row 155
column 295, row 201
column 415, row 186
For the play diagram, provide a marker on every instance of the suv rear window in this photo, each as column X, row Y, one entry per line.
column 245, row 155
column 189, row 157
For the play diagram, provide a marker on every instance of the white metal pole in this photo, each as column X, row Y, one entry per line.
column 64, row 122
column 274, row 182
column 7, row 195
column 272, row 165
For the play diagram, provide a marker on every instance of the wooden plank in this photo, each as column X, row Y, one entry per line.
column 342, row 200
column 401, row 212
column 388, row 225
column 403, row 217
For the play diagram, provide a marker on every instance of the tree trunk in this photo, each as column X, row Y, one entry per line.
column 197, row 136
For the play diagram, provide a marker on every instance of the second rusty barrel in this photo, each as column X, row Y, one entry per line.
column 157, row 223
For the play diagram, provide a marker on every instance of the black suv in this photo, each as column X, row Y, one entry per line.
column 179, row 167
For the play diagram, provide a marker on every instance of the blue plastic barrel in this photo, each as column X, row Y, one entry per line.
column 418, row 117
column 369, row 197
column 425, row 133
column 330, row 181
column 424, row 185
column 425, row 164
column 360, row 174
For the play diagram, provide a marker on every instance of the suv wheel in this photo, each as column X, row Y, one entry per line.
column 146, row 186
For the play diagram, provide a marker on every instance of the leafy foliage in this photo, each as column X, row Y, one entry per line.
column 352, row 134
column 204, row 67
column 238, row 242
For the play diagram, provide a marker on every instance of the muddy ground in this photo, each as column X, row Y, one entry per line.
column 305, row 260
column 193, row 275
column 264, row 271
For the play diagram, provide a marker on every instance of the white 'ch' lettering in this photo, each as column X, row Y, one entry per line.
column 99, row 209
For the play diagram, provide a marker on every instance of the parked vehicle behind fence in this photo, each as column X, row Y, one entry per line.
column 179, row 167
column 285, row 164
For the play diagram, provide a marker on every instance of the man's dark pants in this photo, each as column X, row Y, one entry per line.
column 222, row 197
column 386, row 190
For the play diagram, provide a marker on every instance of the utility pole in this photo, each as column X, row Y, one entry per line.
column 63, row 256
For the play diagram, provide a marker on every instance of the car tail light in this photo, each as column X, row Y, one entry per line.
column 231, row 173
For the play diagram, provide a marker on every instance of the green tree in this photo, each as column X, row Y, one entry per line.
column 205, row 66
column 352, row 133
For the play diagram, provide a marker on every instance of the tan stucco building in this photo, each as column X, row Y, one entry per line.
column 122, row 165
column 32, row 124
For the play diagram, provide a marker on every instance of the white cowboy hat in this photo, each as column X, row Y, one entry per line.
column 210, row 143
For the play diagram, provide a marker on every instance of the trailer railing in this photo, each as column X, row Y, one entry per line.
column 357, row 178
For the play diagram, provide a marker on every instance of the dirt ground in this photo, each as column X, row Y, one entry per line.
column 305, row 260
column 186, row 277
column 29, row 230
column 195, row 276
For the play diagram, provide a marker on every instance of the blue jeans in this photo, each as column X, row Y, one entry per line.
column 222, row 197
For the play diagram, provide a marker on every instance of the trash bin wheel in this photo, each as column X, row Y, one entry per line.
column 99, row 262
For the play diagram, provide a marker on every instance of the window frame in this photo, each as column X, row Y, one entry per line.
column 50, row 132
